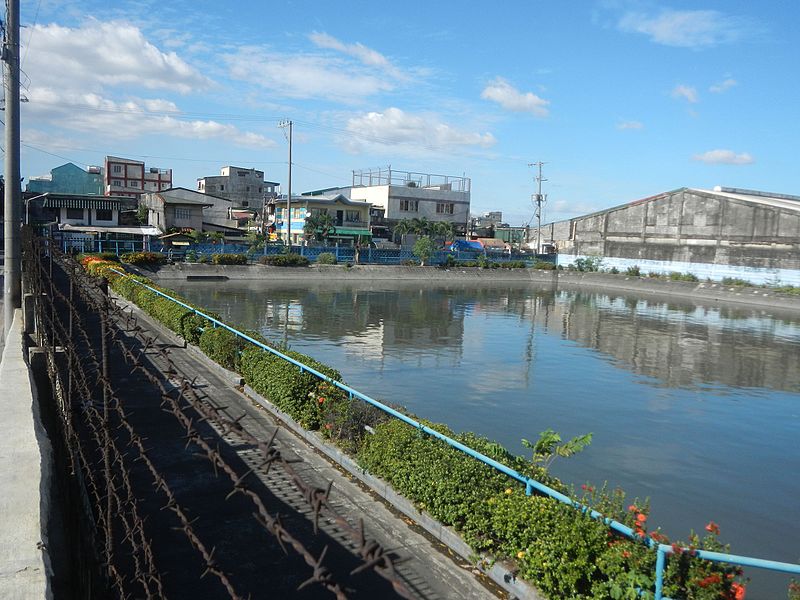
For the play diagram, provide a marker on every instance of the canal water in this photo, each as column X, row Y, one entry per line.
column 695, row 407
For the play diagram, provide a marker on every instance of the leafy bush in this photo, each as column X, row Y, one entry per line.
column 229, row 259
column 284, row 260
column 144, row 259
column 788, row 289
column 410, row 263
column 675, row 276
column 222, row 346
column 614, row 270
column 516, row 264
column 483, row 261
column 543, row 265
column 191, row 256
column 735, row 281
column 326, row 258
column 588, row 264
column 286, row 386
column 423, row 249
column 633, row 271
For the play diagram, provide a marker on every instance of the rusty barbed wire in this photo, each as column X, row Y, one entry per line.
column 86, row 305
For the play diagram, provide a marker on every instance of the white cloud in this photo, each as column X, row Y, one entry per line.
column 365, row 55
column 724, row 86
column 395, row 127
column 97, row 55
column 685, row 28
column 623, row 125
column 503, row 93
column 93, row 113
column 724, row 157
column 686, row 92
column 304, row 76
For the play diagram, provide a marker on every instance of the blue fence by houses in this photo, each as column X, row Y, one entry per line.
column 342, row 254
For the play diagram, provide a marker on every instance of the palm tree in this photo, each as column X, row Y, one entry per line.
column 444, row 230
column 319, row 227
column 421, row 226
column 401, row 229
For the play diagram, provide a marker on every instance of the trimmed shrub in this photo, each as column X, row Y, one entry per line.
column 545, row 266
column 633, row 271
column 144, row 259
column 222, row 346
column 229, row 259
column 286, row 386
column 284, row 260
column 326, row 258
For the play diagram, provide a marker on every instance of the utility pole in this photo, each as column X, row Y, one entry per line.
column 288, row 124
column 12, row 287
column 538, row 200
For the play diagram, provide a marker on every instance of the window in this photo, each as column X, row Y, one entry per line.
column 445, row 208
column 133, row 183
column 351, row 216
column 221, row 187
column 117, row 169
column 117, row 182
column 316, row 212
column 247, row 189
column 245, row 203
column 409, row 205
column 279, row 212
column 103, row 214
column 182, row 214
column 298, row 213
column 259, row 190
column 74, row 213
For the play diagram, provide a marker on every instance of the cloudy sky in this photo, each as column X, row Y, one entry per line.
column 621, row 99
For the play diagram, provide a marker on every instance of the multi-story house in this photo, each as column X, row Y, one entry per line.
column 408, row 195
column 350, row 218
column 131, row 178
column 245, row 188
column 68, row 179
column 174, row 208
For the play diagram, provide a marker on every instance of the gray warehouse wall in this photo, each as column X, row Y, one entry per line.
column 688, row 226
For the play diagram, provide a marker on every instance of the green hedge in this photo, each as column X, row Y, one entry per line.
column 144, row 259
column 229, row 259
column 284, row 260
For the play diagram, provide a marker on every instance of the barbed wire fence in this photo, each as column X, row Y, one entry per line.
column 86, row 338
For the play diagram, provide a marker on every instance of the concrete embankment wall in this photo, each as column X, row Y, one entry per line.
column 703, row 293
column 25, row 478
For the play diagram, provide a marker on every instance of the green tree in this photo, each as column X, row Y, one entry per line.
column 319, row 227
column 549, row 446
column 401, row 229
column 423, row 249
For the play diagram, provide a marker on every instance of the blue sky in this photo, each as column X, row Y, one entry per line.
column 621, row 99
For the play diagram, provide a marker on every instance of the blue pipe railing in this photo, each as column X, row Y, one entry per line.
column 662, row 550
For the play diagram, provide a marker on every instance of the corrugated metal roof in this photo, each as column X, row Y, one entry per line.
column 97, row 202
column 784, row 203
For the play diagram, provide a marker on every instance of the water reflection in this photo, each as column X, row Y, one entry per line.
column 671, row 343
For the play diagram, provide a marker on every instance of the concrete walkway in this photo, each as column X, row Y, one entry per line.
column 24, row 475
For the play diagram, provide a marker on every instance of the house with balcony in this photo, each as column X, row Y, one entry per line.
column 350, row 218
column 174, row 209
column 132, row 178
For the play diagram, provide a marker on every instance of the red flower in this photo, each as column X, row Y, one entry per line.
column 738, row 591
column 641, row 518
column 632, row 508
column 712, row 528
column 320, row 399
column 676, row 549
column 328, row 426
column 626, row 554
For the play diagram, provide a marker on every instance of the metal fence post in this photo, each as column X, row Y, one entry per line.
column 660, row 560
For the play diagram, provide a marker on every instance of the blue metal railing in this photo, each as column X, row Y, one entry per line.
column 662, row 550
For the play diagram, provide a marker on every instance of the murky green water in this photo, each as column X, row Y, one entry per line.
column 696, row 407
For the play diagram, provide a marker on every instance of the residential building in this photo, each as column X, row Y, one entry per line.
column 409, row 195
column 351, row 218
column 689, row 230
column 174, row 208
column 68, row 179
column 245, row 188
column 131, row 178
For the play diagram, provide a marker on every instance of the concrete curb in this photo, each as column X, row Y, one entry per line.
column 25, row 478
